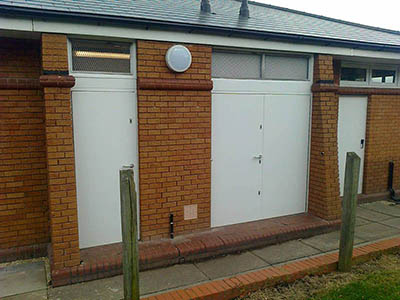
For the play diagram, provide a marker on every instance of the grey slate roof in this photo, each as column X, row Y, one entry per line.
column 264, row 18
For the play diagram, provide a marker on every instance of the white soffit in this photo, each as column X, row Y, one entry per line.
column 87, row 29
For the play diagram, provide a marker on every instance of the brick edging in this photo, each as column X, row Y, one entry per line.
column 163, row 254
column 61, row 81
column 175, row 84
column 24, row 252
column 240, row 285
column 344, row 90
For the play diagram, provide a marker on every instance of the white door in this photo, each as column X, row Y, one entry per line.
column 285, row 151
column 351, row 133
column 105, row 140
column 236, row 168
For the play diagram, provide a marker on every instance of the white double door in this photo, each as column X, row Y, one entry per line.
column 259, row 156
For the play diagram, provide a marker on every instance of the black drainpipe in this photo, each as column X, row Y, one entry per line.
column 390, row 184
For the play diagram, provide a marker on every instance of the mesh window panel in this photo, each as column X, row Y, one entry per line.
column 286, row 68
column 99, row 56
column 236, row 65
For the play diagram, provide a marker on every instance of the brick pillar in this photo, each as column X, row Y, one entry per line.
column 323, row 199
column 60, row 152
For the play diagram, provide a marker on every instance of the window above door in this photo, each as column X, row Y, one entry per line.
column 264, row 66
column 353, row 74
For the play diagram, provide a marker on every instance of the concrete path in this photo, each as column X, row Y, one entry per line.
column 374, row 221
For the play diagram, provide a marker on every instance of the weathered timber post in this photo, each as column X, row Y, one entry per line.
column 129, row 234
column 349, row 206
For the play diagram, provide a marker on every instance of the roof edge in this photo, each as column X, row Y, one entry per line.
column 146, row 23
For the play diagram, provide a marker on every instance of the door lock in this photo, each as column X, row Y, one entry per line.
column 362, row 143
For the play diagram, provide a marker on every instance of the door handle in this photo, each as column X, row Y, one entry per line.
column 131, row 166
column 362, row 143
column 259, row 156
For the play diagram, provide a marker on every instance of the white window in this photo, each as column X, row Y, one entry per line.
column 353, row 74
column 383, row 76
column 286, row 68
column 101, row 56
column 247, row 65
column 236, row 65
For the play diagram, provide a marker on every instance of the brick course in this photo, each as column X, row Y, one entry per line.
column 174, row 140
column 23, row 181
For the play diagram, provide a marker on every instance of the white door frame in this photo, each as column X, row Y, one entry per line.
column 101, row 82
column 266, row 88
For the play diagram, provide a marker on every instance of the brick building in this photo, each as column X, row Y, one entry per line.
column 257, row 127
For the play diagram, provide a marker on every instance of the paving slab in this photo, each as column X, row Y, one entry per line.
column 375, row 231
column 38, row 295
column 169, row 278
column 102, row 289
column 384, row 207
column 230, row 265
column 395, row 222
column 361, row 221
column 328, row 241
column 22, row 278
column 371, row 215
column 284, row 252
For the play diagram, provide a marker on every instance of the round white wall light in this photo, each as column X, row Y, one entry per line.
column 178, row 58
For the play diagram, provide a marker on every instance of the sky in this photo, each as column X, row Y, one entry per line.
column 385, row 14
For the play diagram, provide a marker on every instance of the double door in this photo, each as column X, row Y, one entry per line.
column 259, row 156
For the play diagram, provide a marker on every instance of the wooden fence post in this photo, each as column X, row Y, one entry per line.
column 129, row 234
column 349, row 206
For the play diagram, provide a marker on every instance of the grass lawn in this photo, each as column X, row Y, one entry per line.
column 378, row 279
column 383, row 285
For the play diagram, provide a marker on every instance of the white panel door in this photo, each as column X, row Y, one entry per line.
column 351, row 133
column 285, row 149
column 236, row 173
column 105, row 140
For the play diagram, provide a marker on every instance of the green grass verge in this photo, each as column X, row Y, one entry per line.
column 381, row 285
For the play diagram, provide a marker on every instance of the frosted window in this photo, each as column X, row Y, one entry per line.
column 286, row 68
column 101, row 56
column 236, row 65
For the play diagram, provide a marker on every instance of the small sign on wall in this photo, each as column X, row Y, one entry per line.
column 190, row 212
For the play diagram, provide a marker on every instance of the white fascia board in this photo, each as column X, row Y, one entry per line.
column 99, row 30
column 24, row 24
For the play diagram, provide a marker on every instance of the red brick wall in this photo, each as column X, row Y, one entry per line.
column 23, row 183
column 382, row 142
column 174, row 140
column 323, row 199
